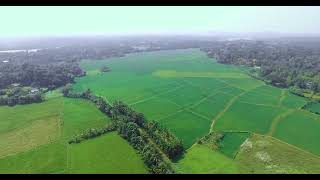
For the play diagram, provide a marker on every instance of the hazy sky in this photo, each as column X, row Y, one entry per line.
column 33, row 21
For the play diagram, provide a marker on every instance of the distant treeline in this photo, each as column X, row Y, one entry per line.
column 146, row 137
column 57, row 66
column 280, row 64
column 49, row 76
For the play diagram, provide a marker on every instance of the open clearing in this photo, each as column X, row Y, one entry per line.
column 264, row 154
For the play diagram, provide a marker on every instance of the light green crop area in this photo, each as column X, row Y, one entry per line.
column 189, row 93
column 182, row 89
column 33, row 139
column 80, row 115
column 300, row 128
column 107, row 154
column 200, row 159
column 231, row 143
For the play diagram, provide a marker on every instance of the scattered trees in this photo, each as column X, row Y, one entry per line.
column 212, row 140
column 20, row 95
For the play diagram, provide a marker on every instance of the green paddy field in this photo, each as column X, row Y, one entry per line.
column 33, row 139
column 188, row 93
column 192, row 95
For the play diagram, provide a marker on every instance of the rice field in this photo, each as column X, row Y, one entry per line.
column 33, row 139
column 108, row 154
column 300, row 128
column 189, row 93
column 184, row 90
column 202, row 160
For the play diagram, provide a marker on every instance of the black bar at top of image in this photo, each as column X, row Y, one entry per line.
column 159, row 2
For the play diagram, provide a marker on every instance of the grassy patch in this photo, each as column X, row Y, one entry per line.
column 20, row 116
column 293, row 101
column 300, row 128
column 36, row 134
column 48, row 158
column 248, row 117
column 212, row 105
column 106, row 154
column 34, row 137
column 156, row 108
column 263, row 154
column 187, row 126
column 200, row 159
column 80, row 115
column 231, row 143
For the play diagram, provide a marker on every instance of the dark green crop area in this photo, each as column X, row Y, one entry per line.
column 314, row 107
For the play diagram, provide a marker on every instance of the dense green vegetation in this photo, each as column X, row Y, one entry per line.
column 281, row 64
column 14, row 94
column 49, row 76
column 91, row 133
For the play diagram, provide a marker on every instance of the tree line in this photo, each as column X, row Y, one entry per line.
column 26, row 99
column 280, row 64
column 148, row 138
column 49, row 76
column 91, row 133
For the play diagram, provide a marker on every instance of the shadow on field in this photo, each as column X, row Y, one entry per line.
column 178, row 158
